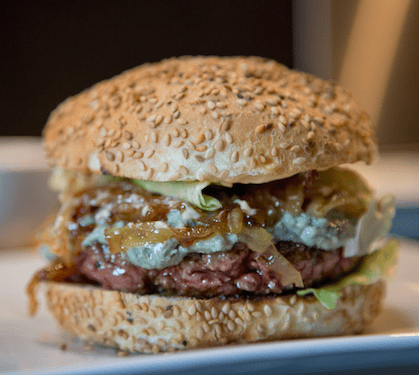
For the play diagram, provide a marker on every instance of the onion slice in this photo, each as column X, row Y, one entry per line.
column 260, row 241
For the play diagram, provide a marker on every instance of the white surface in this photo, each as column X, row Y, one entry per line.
column 33, row 345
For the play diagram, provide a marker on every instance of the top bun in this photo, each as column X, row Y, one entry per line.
column 217, row 119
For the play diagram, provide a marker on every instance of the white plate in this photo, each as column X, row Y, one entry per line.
column 32, row 346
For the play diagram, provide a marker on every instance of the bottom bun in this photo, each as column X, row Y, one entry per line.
column 155, row 323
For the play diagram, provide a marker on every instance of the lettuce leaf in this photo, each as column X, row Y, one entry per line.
column 379, row 264
column 187, row 191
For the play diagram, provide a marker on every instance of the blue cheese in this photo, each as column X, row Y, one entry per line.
column 323, row 233
column 169, row 253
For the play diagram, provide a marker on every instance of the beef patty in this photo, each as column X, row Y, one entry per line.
column 235, row 272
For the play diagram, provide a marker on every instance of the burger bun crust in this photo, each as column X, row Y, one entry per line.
column 229, row 120
column 153, row 323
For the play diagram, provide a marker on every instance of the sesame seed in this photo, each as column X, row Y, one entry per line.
column 259, row 106
column 149, row 173
column 252, row 163
column 260, row 129
column 183, row 170
column 295, row 148
column 210, row 153
column 176, row 114
column 212, row 168
column 273, row 101
column 201, row 177
column 201, row 148
column 234, row 156
column 175, row 177
column 190, row 145
column 178, row 144
column 208, row 135
column 224, row 174
column 300, row 160
column 192, row 310
column 275, row 110
column 207, row 316
column 174, row 107
column 305, row 124
column 283, row 145
column 149, row 153
column 152, row 118
column 229, row 138
column 167, row 139
column 310, row 135
column 241, row 102
column 163, row 167
column 119, row 156
column 274, row 152
column 102, row 132
column 185, row 153
column 210, row 104
column 138, row 108
column 141, row 165
column 267, row 310
column 239, row 321
column 158, row 120
column 182, row 121
column 230, row 325
column 248, row 151
column 215, row 115
column 202, row 110
column 184, row 133
column 175, row 132
column 138, row 155
column 128, row 135
column 110, row 156
column 262, row 159
column 221, row 105
column 168, row 119
column 154, row 137
column 126, row 146
column 281, row 127
column 199, row 139
column 260, row 328
column 282, row 119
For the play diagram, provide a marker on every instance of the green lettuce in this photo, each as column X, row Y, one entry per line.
column 190, row 191
column 379, row 264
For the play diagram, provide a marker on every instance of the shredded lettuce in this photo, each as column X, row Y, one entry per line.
column 379, row 264
column 187, row 191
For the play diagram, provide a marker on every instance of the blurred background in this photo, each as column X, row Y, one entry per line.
column 51, row 50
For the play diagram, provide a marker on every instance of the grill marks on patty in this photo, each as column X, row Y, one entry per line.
column 234, row 272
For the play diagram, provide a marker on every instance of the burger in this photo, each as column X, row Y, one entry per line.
column 204, row 203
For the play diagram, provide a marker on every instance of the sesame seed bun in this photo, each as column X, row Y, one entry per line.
column 154, row 323
column 234, row 120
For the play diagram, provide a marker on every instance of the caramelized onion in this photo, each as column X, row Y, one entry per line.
column 138, row 234
column 235, row 220
column 260, row 241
